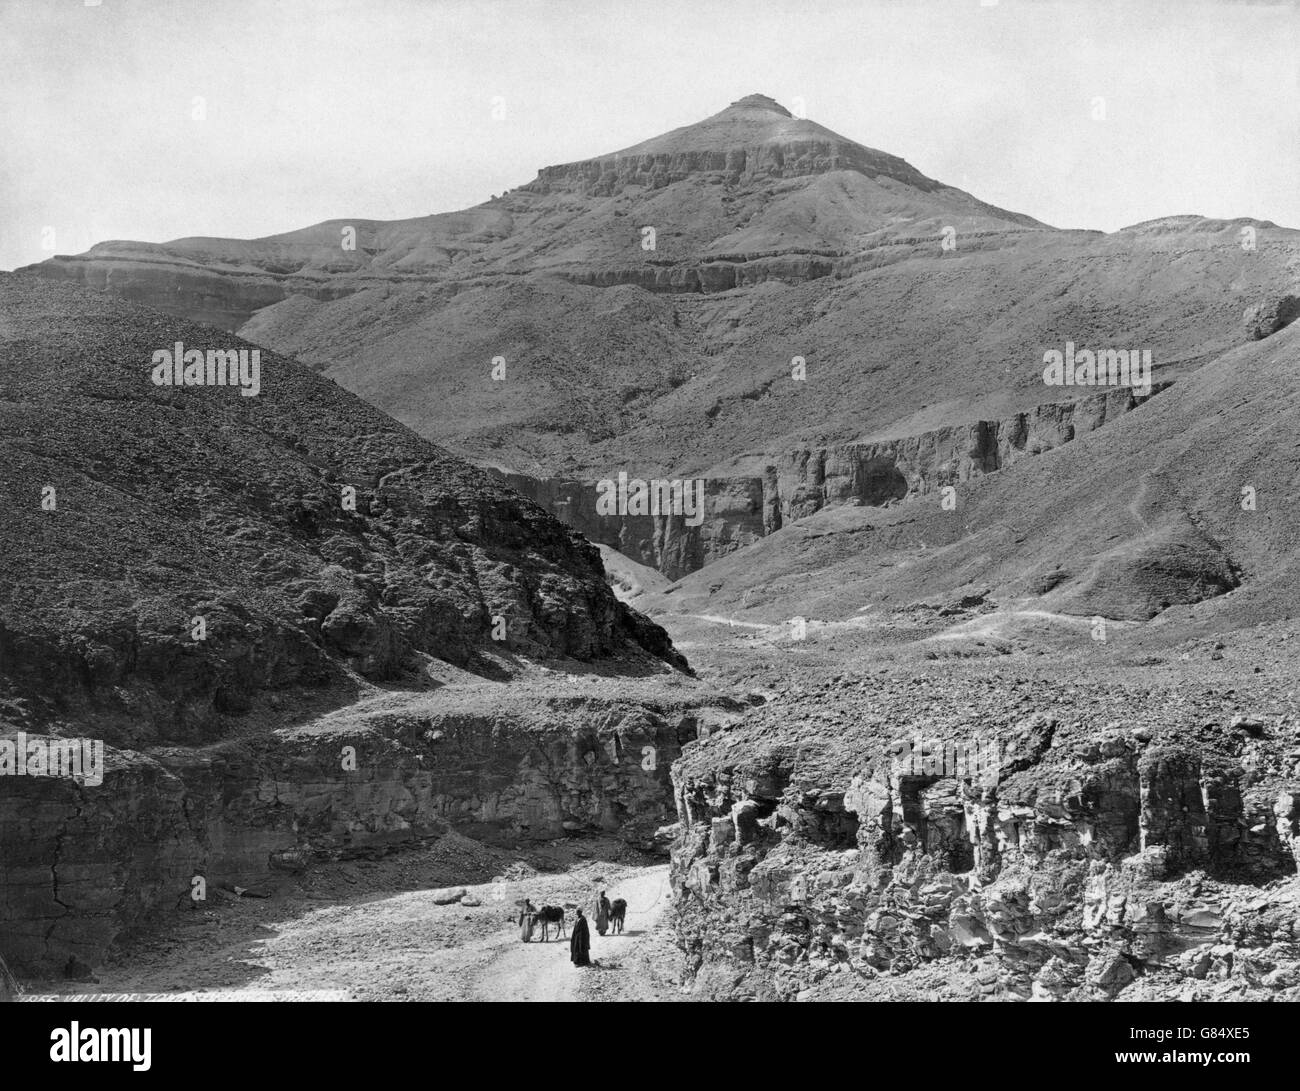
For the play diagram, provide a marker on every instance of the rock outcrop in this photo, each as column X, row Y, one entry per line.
column 1059, row 865
column 754, row 136
column 1265, row 319
column 736, row 513
column 793, row 484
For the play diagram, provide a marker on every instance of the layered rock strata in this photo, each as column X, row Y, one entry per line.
column 1068, row 868
column 738, row 510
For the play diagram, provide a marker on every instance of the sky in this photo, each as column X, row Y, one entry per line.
column 159, row 119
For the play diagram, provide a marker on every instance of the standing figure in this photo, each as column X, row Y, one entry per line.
column 602, row 913
column 580, row 942
column 527, row 917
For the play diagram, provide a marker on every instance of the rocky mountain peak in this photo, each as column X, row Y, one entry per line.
column 760, row 102
column 748, row 194
column 753, row 137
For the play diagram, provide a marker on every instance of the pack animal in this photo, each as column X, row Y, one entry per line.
column 617, row 911
column 550, row 915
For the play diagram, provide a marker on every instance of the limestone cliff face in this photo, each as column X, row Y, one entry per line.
column 735, row 509
column 789, row 157
column 796, row 483
column 181, row 286
column 877, row 473
column 81, row 864
column 753, row 136
column 1052, row 879
column 710, row 275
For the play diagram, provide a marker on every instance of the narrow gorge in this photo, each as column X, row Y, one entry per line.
column 742, row 508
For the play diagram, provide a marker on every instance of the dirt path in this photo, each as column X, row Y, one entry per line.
column 345, row 933
column 542, row 971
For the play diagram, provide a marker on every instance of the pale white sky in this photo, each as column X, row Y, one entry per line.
column 318, row 109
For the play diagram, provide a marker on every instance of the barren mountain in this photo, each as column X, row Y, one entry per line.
column 414, row 316
column 537, row 333
column 746, row 188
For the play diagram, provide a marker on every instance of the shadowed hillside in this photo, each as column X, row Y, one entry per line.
column 137, row 516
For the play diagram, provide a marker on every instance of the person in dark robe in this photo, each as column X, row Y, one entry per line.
column 527, row 918
column 580, row 942
column 602, row 914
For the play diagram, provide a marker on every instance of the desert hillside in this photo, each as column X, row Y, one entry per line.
column 312, row 537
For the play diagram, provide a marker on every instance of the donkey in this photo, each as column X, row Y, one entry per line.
column 551, row 915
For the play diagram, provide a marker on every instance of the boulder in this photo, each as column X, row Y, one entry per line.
column 1266, row 318
column 1110, row 971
